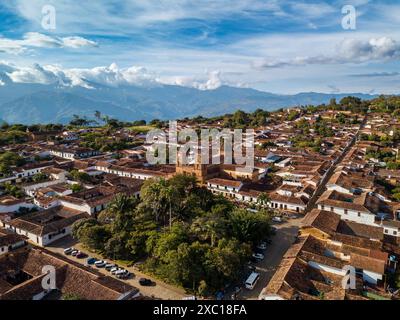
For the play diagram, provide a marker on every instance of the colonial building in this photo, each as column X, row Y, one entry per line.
column 45, row 227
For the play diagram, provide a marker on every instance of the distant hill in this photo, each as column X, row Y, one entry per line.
column 37, row 103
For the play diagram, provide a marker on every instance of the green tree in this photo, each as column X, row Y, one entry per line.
column 248, row 226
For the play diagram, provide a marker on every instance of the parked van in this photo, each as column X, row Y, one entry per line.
column 252, row 280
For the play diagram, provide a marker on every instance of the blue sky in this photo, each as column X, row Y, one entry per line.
column 284, row 46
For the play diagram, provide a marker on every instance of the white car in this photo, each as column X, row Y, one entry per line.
column 258, row 256
column 120, row 271
column 277, row 219
column 68, row 251
column 109, row 266
column 115, row 270
column 124, row 274
column 100, row 264
column 252, row 280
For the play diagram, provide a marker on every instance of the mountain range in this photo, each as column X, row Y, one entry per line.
column 30, row 103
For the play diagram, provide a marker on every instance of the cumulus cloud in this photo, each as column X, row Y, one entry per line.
column 348, row 51
column 35, row 74
column 112, row 76
column 212, row 81
column 39, row 40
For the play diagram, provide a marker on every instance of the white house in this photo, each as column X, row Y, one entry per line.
column 45, row 227
column 9, row 204
column 10, row 241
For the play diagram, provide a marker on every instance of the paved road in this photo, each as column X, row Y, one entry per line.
column 284, row 238
column 160, row 291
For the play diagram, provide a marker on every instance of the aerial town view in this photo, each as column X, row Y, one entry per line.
column 199, row 150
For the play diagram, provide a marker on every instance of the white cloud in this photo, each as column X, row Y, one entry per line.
column 39, row 40
column 109, row 76
column 93, row 14
column 78, row 42
column 211, row 82
column 10, row 46
column 35, row 74
column 383, row 48
column 313, row 10
column 112, row 76
column 348, row 51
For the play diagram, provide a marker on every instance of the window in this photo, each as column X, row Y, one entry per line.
column 395, row 233
column 386, row 231
column 332, row 209
column 359, row 214
column 346, row 211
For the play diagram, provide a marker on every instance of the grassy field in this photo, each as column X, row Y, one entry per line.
column 141, row 129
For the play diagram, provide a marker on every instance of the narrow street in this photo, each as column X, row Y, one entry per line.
column 284, row 238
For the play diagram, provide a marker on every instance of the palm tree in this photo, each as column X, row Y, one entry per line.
column 120, row 211
column 263, row 199
column 208, row 228
column 121, row 204
column 168, row 193
column 155, row 196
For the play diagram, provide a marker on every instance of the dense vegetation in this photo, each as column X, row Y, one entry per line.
column 8, row 160
column 185, row 234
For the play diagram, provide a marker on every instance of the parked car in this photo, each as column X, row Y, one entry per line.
column 81, row 255
column 277, row 219
column 145, row 282
column 74, row 253
column 109, row 266
column 258, row 256
column 115, row 270
column 100, row 264
column 252, row 281
column 120, row 271
column 124, row 275
column 91, row 261
column 68, row 251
